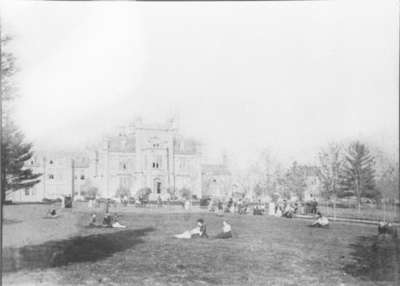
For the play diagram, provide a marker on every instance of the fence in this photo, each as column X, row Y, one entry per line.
column 386, row 212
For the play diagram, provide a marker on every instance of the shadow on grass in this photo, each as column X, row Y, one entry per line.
column 375, row 258
column 77, row 249
column 11, row 221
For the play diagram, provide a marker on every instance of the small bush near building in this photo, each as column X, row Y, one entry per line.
column 185, row 193
column 143, row 194
column 90, row 193
column 204, row 202
column 122, row 192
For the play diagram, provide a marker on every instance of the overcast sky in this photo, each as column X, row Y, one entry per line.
column 287, row 76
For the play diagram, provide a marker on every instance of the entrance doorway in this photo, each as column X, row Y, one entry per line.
column 157, row 186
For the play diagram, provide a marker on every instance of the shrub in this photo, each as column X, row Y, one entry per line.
column 143, row 194
column 185, row 193
column 204, row 202
column 90, row 193
column 122, row 192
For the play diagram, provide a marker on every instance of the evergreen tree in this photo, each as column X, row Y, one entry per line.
column 358, row 173
column 14, row 151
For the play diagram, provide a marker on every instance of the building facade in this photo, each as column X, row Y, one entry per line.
column 138, row 156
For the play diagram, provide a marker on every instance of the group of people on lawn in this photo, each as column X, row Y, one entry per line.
column 200, row 231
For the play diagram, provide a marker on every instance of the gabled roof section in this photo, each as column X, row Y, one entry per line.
column 215, row 170
column 186, row 146
column 123, row 143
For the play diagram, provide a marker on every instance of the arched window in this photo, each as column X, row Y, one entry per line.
column 51, row 177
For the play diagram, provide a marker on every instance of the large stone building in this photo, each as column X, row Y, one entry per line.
column 138, row 156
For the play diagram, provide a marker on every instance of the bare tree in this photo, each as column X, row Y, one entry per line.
column 331, row 162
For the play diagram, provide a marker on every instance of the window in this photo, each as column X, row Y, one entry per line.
column 27, row 192
column 156, row 145
column 156, row 165
column 51, row 177
column 32, row 162
column 51, row 162
column 82, row 177
column 182, row 164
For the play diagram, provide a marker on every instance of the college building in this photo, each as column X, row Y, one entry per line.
column 138, row 156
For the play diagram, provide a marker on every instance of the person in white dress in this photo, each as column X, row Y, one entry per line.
column 198, row 231
column 321, row 221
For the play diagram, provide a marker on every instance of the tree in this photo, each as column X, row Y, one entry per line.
column 185, row 193
column 14, row 173
column 331, row 162
column 387, row 174
column 294, row 180
column 172, row 193
column 14, row 151
column 8, row 69
column 358, row 174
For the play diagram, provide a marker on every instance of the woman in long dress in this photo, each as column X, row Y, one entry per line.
column 198, row 231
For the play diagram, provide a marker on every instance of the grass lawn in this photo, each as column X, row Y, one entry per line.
column 265, row 251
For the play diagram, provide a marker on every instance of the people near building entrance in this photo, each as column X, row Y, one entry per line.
column 92, row 221
column 259, row 208
column 226, row 231
column 314, row 206
column 288, row 211
column 159, row 202
column 125, row 200
column 321, row 221
column 200, row 231
column 229, row 206
column 271, row 208
column 187, row 204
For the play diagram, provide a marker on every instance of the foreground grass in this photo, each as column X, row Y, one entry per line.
column 265, row 251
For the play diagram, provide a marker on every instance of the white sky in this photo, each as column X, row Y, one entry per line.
column 288, row 76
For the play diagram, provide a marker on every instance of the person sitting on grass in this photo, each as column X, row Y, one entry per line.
column 107, row 220
column 387, row 228
column 93, row 220
column 321, row 221
column 110, row 221
column 116, row 224
column 226, row 231
column 52, row 213
column 288, row 212
column 199, row 231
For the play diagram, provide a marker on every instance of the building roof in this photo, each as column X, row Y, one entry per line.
column 122, row 143
column 215, row 169
column 186, row 146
